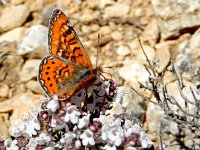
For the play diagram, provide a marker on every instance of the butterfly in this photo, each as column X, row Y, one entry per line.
column 68, row 68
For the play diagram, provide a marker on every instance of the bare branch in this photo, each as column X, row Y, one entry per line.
column 141, row 95
column 146, row 55
column 192, row 115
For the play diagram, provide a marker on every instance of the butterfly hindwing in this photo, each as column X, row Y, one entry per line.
column 52, row 73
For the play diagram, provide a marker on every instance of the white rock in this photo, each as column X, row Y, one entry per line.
column 13, row 35
column 154, row 117
column 123, row 50
column 30, row 69
column 105, row 30
column 35, row 87
column 103, row 3
column 116, row 10
column 151, row 33
column 85, row 29
column 21, row 105
column 35, row 38
column 131, row 101
column 4, row 90
column 163, row 55
column 116, row 35
column 13, row 16
column 95, row 27
column 194, row 52
column 170, row 21
column 133, row 72
column 16, row 2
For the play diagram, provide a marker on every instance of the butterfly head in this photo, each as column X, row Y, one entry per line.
column 98, row 71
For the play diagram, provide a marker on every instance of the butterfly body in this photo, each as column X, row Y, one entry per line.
column 68, row 67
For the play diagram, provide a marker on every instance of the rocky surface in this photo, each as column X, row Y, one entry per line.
column 13, row 16
column 168, row 30
column 35, row 38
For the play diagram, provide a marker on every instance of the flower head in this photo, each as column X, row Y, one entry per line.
column 53, row 105
column 42, row 139
column 110, row 147
column 87, row 137
column 145, row 141
column 84, row 121
column 32, row 126
column 11, row 144
column 72, row 114
column 112, row 132
column 29, row 126
column 68, row 137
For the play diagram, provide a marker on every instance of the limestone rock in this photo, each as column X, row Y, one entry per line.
column 46, row 14
column 4, row 90
column 21, row 105
column 4, row 125
column 176, row 16
column 104, row 3
column 151, row 33
column 194, row 52
column 123, row 50
column 30, row 69
column 13, row 35
column 17, row 2
column 116, row 35
column 133, row 72
column 13, row 16
column 116, row 10
column 132, row 103
column 162, row 56
column 11, row 67
column 35, row 87
column 35, row 38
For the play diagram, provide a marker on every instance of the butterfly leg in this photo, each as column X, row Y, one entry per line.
column 86, row 99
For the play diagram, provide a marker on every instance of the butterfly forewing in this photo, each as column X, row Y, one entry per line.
column 64, row 42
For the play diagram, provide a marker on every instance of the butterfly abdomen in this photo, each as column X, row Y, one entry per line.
column 85, row 79
column 84, row 75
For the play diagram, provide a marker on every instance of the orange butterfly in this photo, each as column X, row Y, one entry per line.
column 68, row 68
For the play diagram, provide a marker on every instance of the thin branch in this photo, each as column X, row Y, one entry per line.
column 144, row 97
column 176, row 76
column 197, row 103
column 160, row 137
column 147, row 69
column 191, row 115
column 182, row 122
column 145, row 87
column 146, row 55
column 180, row 86
column 191, row 90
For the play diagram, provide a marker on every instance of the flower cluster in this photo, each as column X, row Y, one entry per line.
column 79, row 123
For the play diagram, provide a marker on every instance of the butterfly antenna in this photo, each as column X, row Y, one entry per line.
column 98, row 47
column 108, row 74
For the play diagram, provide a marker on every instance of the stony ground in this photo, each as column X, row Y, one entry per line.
column 168, row 31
